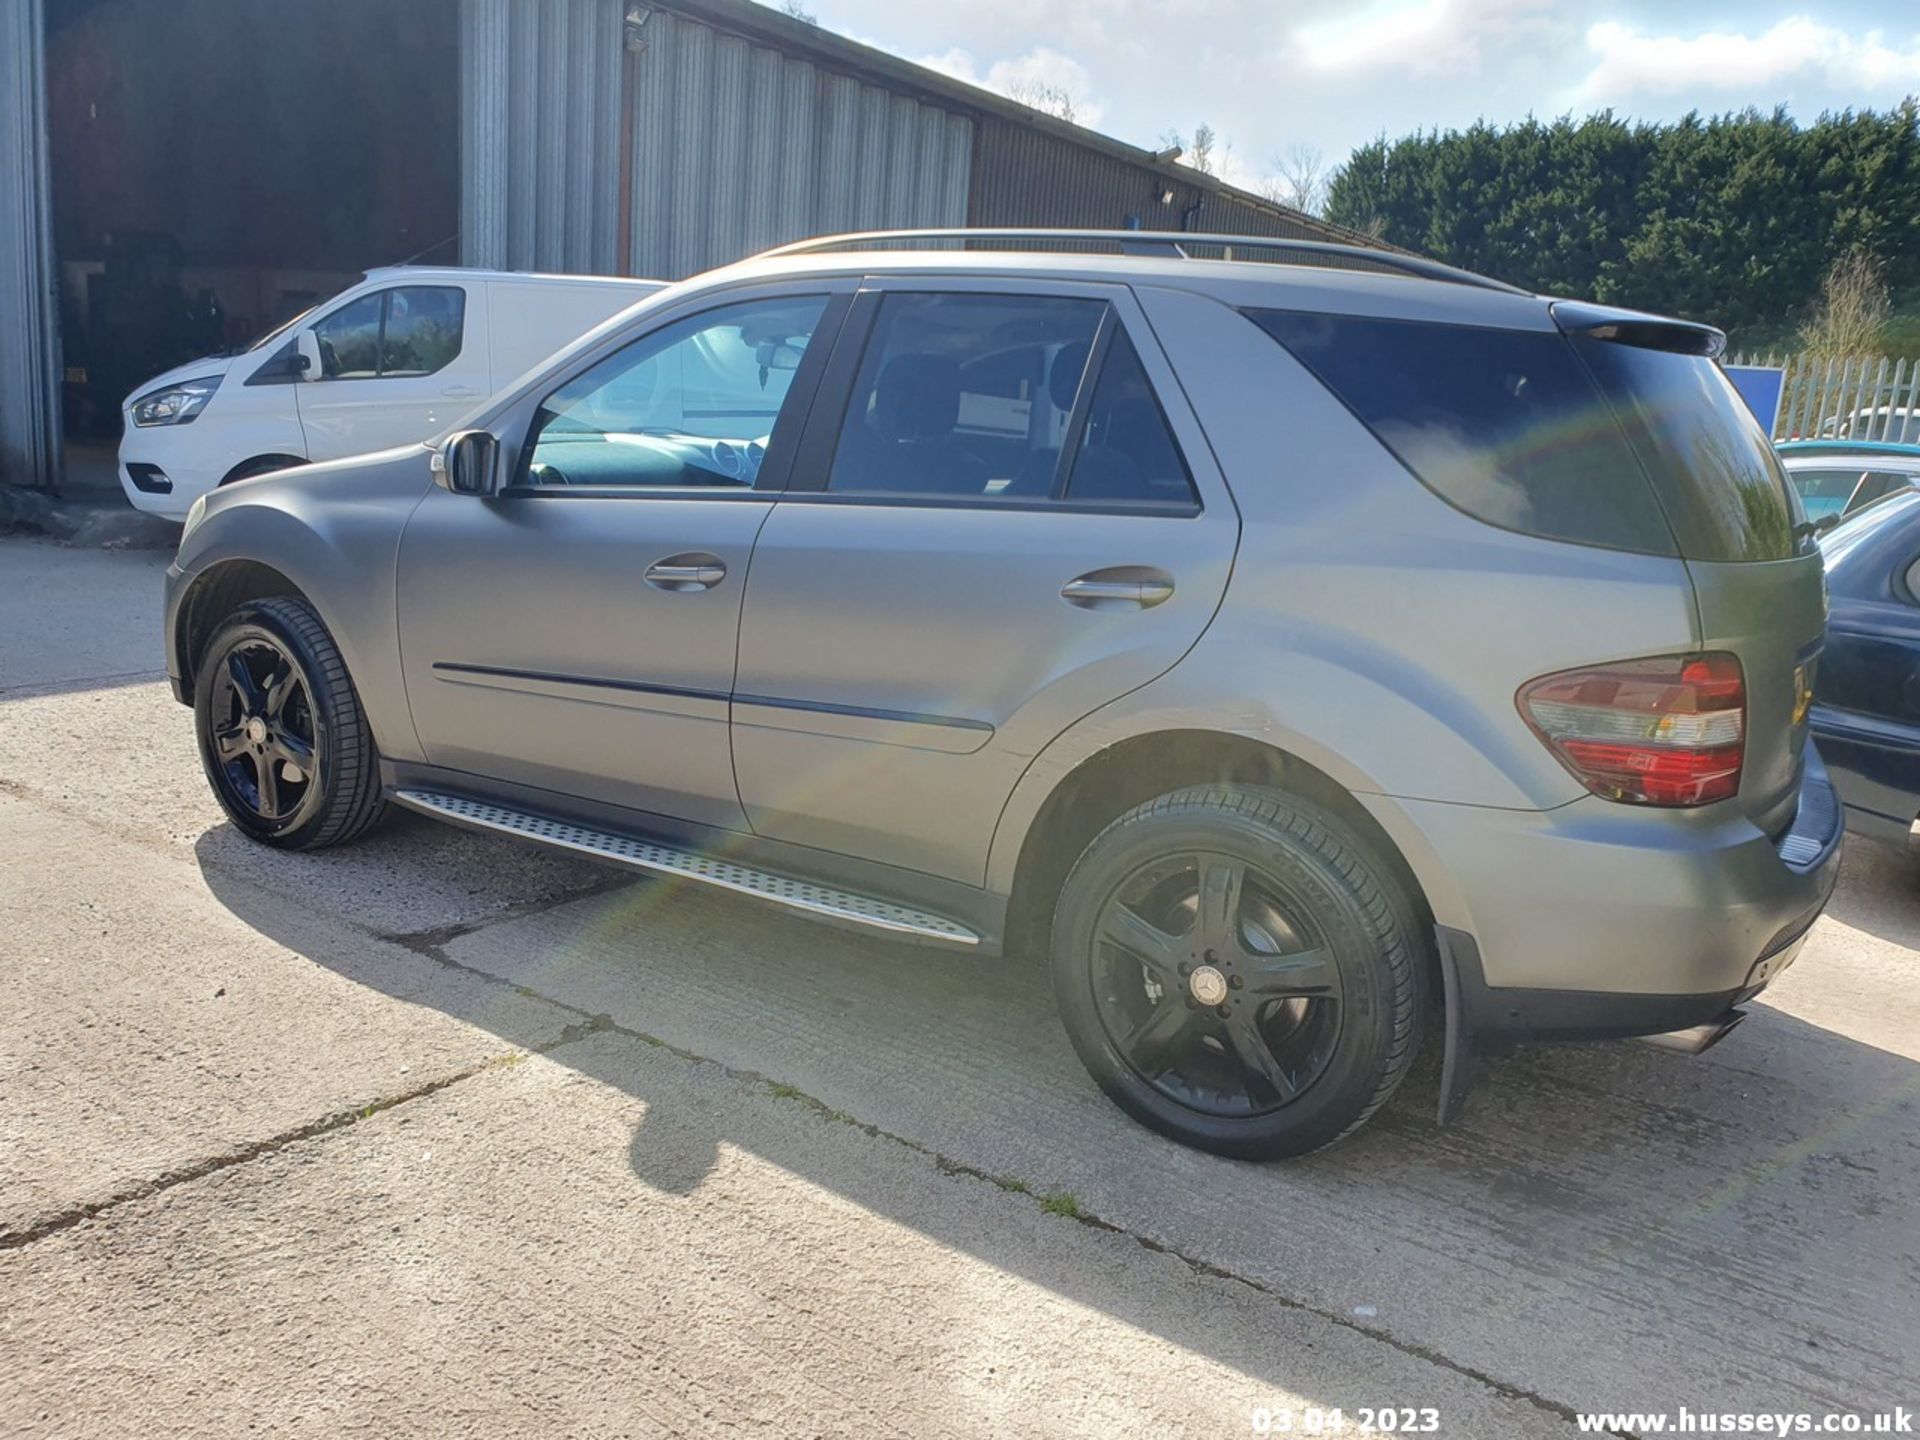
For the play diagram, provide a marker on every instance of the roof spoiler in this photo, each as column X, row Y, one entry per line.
column 1634, row 327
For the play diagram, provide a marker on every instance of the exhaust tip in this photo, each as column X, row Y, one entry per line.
column 1696, row 1039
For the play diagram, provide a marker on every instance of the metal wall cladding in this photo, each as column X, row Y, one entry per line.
column 30, row 353
column 540, row 134
column 738, row 147
column 1025, row 176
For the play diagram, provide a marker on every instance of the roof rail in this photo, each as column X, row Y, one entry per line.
column 1171, row 243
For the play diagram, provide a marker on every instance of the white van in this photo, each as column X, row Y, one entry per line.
column 396, row 358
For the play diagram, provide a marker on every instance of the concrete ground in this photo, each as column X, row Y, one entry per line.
column 441, row 1135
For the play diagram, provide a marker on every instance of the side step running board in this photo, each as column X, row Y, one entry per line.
column 605, row 845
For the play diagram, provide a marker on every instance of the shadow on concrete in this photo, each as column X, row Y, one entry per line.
column 1610, row 1227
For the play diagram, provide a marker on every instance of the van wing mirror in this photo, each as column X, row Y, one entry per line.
column 305, row 360
column 468, row 463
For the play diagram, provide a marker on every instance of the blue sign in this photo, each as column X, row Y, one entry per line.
column 1761, row 387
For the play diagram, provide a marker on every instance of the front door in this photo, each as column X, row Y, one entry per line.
column 1007, row 520
column 395, row 366
column 577, row 632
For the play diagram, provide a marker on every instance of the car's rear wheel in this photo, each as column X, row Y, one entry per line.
column 1238, row 971
column 283, row 738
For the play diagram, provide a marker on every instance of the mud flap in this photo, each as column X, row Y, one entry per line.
column 1457, row 1060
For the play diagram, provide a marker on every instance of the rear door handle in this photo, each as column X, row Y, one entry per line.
column 1123, row 586
column 460, row 392
column 686, row 572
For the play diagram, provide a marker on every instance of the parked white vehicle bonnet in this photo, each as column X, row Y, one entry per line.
column 394, row 359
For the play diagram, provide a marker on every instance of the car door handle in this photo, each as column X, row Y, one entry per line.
column 686, row 572
column 460, row 392
column 1128, row 586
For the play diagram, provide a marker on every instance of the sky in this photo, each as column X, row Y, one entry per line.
column 1276, row 76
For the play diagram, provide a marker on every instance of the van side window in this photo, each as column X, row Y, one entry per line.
column 407, row 331
column 693, row 403
column 965, row 395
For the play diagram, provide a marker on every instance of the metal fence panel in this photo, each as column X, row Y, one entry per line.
column 1852, row 397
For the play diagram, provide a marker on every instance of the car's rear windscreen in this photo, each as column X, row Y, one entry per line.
column 1592, row 441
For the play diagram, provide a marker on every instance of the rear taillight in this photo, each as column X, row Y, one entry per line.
column 1667, row 731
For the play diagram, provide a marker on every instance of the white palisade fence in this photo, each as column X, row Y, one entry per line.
column 1845, row 397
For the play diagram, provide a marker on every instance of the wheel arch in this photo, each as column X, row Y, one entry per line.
column 262, row 464
column 215, row 593
column 1106, row 784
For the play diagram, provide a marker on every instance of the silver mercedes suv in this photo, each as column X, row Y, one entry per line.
column 1284, row 640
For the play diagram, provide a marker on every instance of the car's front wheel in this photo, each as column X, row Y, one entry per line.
column 283, row 737
column 1238, row 971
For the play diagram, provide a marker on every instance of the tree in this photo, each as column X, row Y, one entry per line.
column 1054, row 100
column 1851, row 318
column 1299, row 179
column 799, row 12
column 1733, row 219
column 1203, row 152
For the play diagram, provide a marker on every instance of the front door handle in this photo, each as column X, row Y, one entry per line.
column 693, row 571
column 1132, row 587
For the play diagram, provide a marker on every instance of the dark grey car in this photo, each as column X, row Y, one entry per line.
column 1276, row 647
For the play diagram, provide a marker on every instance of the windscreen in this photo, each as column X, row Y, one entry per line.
column 1584, row 440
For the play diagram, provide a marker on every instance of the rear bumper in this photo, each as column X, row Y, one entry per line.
column 1603, row 920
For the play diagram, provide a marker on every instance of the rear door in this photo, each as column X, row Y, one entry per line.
column 396, row 365
column 1002, row 516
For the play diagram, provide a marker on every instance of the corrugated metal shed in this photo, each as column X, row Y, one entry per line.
column 736, row 128
column 29, row 334
column 1027, row 174
column 738, row 146
column 540, row 134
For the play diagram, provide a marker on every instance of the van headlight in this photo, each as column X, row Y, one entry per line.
column 177, row 404
column 196, row 512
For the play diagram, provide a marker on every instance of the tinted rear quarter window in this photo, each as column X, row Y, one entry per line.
column 1598, row 442
column 1506, row 425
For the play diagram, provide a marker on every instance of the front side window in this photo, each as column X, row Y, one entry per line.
column 965, row 395
column 407, row 331
column 691, row 404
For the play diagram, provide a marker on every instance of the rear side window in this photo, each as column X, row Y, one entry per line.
column 1506, row 425
column 965, row 395
column 1127, row 453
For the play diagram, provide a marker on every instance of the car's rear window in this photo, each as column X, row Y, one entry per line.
column 1594, row 442
column 1713, row 466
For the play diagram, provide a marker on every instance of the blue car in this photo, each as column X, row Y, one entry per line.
column 1866, row 712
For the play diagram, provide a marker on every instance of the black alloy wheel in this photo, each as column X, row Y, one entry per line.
column 1214, row 986
column 264, row 733
column 1240, row 970
column 283, row 737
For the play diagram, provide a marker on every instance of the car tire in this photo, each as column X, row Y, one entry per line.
column 1258, row 1017
column 283, row 737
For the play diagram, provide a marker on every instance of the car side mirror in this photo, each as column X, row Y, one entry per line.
column 468, row 463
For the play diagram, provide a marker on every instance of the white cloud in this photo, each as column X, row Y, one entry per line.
column 1422, row 36
column 1631, row 63
column 1021, row 75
